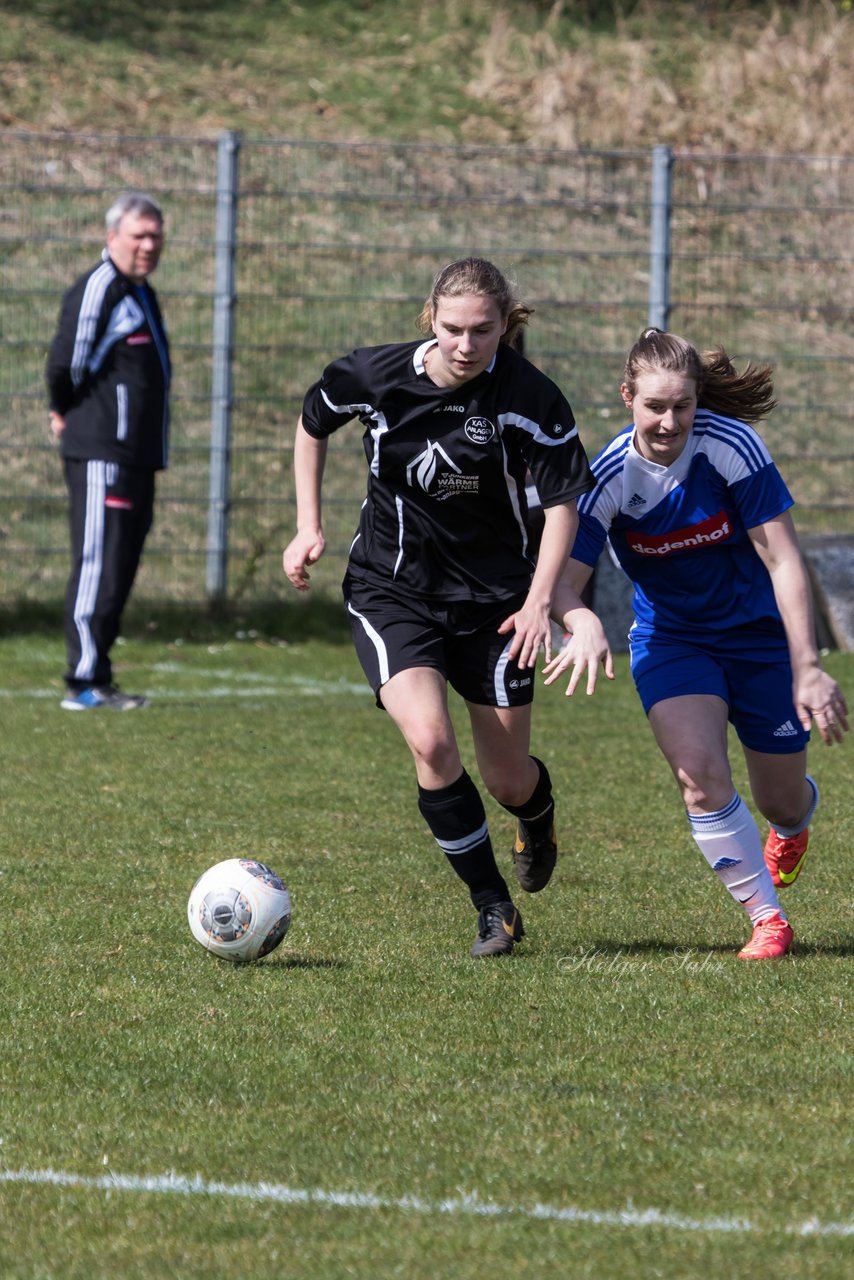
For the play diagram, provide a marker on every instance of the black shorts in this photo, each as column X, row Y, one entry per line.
column 459, row 639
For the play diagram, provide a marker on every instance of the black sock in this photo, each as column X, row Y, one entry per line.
column 457, row 819
column 538, row 811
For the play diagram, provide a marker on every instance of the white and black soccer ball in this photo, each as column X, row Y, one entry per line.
column 239, row 909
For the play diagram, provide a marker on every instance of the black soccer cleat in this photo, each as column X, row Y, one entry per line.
column 498, row 926
column 534, row 856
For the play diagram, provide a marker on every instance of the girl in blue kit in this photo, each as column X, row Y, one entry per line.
column 698, row 517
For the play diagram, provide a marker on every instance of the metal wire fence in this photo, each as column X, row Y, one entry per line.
column 335, row 245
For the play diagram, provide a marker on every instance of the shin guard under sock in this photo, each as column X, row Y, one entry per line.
column 729, row 841
column 538, row 811
column 457, row 819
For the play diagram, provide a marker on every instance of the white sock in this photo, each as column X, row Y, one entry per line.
column 729, row 840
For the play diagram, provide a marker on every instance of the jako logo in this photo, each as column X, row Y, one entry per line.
column 693, row 537
column 479, row 430
column 519, row 684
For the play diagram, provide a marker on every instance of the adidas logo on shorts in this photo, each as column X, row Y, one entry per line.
column 786, row 730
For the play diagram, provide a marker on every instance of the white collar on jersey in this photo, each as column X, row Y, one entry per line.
column 646, row 483
column 421, row 351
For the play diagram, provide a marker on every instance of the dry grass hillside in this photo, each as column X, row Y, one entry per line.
column 766, row 81
column 722, row 75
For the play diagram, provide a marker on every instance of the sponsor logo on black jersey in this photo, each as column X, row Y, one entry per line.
column 479, row 430
column 694, row 537
column 434, row 472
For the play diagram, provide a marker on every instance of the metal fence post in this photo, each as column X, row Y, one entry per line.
column 223, row 355
column 659, row 237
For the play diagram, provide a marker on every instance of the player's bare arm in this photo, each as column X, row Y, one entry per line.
column 817, row 696
column 308, row 545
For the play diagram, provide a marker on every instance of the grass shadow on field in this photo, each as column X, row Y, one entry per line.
column 657, row 946
column 309, row 964
column 669, row 948
column 283, row 960
column 842, row 950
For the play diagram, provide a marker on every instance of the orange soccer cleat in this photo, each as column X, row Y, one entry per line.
column 772, row 938
column 784, row 856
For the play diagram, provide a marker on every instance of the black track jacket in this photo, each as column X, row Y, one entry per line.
column 108, row 371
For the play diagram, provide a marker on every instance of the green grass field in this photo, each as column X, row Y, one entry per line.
column 620, row 1097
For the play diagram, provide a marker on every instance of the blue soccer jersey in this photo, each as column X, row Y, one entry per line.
column 681, row 532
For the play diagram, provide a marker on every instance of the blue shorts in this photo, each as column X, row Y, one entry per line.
column 749, row 668
column 460, row 640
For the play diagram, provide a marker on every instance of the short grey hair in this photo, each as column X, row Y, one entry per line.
column 132, row 202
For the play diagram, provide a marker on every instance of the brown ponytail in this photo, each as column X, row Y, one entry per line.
column 747, row 396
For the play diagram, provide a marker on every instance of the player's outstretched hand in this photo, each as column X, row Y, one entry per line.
column 533, row 632
column 819, row 698
column 305, row 549
column 586, row 649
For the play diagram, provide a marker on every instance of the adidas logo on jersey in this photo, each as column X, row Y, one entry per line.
column 786, row 730
column 636, row 501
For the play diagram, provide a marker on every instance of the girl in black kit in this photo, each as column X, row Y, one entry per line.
column 441, row 585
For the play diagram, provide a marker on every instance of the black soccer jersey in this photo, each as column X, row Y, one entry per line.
column 445, row 516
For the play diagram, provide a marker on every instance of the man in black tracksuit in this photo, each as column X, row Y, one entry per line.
column 108, row 375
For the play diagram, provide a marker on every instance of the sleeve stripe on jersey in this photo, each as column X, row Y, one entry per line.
column 348, row 409
column 534, row 429
column 739, row 437
column 608, row 465
column 87, row 320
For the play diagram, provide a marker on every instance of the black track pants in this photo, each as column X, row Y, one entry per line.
column 111, row 514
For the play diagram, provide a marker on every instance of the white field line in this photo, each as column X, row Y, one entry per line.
column 459, row 1206
column 233, row 684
